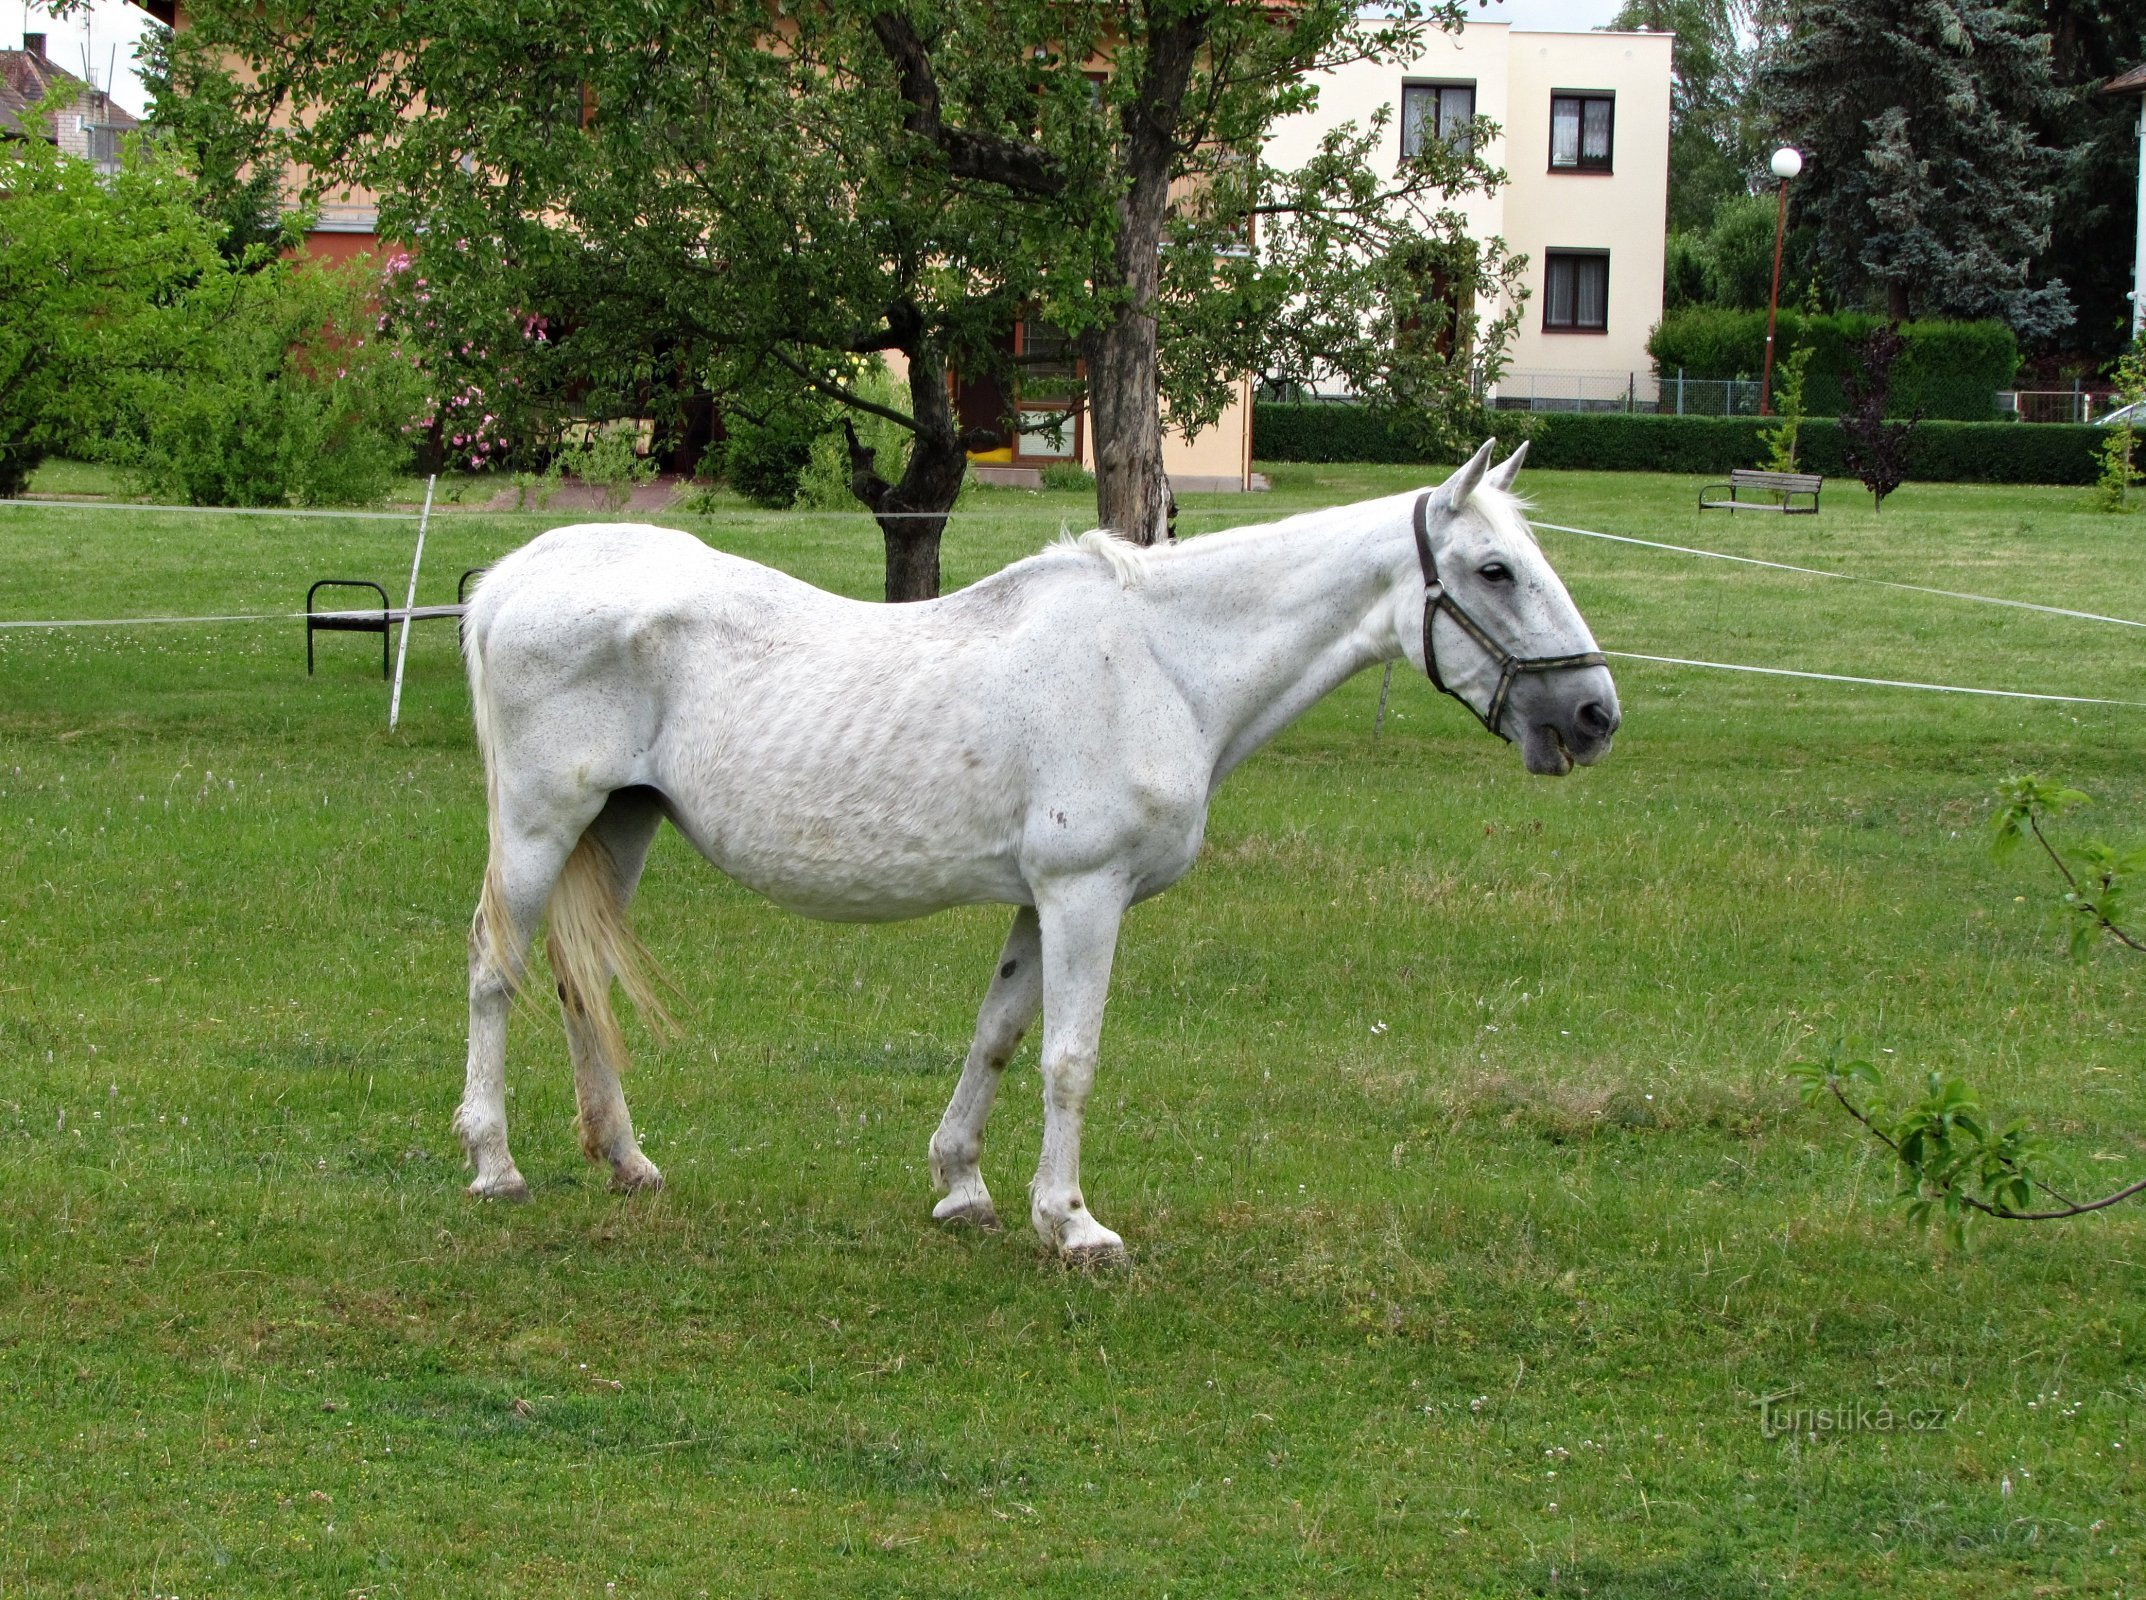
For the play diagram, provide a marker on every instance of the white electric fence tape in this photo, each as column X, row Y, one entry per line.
column 1553, row 527
column 1880, row 683
column 1845, row 577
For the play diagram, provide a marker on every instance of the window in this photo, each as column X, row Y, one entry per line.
column 1580, row 132
column 103, row 143
column 1048, row 383
column 1440, row 110
column 1576, row 292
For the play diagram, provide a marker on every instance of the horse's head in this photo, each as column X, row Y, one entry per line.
column 1499, row 633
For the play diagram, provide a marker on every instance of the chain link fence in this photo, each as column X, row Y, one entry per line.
column 2076, row 404
column 1679, row 394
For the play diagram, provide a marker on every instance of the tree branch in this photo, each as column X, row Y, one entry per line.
column 1011, row 164
column 2072, row 883
column 847, row 397
column 2006, row 1213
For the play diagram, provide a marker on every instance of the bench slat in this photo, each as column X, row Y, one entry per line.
column 1800, row 482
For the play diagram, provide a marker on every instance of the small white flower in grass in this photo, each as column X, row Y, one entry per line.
column 1378, row 1027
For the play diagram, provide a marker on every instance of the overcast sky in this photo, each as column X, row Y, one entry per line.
column 110, row 28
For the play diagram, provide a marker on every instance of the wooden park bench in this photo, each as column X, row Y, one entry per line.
column 380, row 621
column 1781, row 487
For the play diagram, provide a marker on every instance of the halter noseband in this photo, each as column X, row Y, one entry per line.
column 1510, row 666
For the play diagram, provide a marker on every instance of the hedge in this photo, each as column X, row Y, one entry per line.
column 1614, row 441
column 1949, row 369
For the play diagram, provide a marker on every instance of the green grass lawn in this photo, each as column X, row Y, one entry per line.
column 1442, row 1109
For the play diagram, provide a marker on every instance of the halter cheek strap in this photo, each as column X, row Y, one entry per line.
column 1510, row 666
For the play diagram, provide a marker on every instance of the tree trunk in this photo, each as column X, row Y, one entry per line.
column 912, row 513
column 17, row 461
column 1896, row 300
column 912, row 558
column 1132, row 493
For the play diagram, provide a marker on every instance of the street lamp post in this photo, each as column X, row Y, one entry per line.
column 1787, row 162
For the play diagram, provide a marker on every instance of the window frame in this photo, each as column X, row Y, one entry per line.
column 1607, row 165
column 1069, row 406
column 1551, row 257
column 1436, row 86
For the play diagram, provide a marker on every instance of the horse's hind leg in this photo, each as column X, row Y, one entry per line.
column 625, row 828
column 1010, row 1006
column 523, row 866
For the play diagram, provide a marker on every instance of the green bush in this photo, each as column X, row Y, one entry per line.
column 296, row 404
column 608, row 456
column 1615, row 442
column 823, row 482
column 1950, row 370
column 1684, row 271
column 1323, row 431
column 1068, row 476
column 100, row 278
column 1736, row 257
column 765, row 457
column 1942, row 452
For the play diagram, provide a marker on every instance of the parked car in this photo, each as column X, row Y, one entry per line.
column 2134, row 413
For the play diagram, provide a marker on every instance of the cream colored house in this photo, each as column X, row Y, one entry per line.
column 1584, row 142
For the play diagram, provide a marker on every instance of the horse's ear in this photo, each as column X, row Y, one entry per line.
column 1502, row 475
column 1458, row 488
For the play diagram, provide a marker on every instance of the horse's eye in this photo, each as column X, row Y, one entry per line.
column 1496, row 572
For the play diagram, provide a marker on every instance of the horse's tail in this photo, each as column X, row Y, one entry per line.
column 493, row 933
column 589, row 940
column 590, row 943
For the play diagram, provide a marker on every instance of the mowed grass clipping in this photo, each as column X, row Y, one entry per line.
column 1442, row 1108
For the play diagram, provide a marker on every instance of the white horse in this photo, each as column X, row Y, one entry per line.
column 1048, row 738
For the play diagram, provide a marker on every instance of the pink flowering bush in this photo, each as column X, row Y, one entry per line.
column 475, row 365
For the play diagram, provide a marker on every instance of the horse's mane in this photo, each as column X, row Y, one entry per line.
column 1130, row 563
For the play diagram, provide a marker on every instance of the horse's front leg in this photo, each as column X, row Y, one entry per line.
column 1010, row 1005
column 1079, row 924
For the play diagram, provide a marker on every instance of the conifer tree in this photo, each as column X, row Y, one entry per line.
column 1930, row 187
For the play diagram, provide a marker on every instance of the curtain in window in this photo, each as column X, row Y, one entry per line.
column 1564, row 133
column 1595, row 136
column 1456, row 104
column 1418, row 103
column 1559, row 293
column 1592, row 297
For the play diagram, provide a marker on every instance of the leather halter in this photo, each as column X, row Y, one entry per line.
column 1510, row 666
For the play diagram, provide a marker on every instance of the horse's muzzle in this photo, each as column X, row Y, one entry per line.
column 1567, row 725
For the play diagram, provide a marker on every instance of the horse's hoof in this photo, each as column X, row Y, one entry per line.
column 960, row 1212
column 1084, row 1242
column 637, row 1176
column 511, row 1186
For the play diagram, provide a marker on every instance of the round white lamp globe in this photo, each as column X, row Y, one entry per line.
column 1787, row 162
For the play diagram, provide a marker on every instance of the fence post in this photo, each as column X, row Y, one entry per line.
column 1680, row 391
column 1631, row 387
